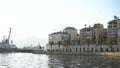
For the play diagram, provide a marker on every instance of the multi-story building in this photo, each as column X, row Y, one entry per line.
column 66, row 37
column 86, row 35
column 98, row 33
column 73, row 34
column 92, row 34
column 68, row 33
column 58, row 37
column 113, row 31
column 113, row 28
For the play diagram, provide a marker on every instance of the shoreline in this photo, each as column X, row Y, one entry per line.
column 82, row 53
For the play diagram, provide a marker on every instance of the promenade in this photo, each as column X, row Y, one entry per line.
column 81, row 53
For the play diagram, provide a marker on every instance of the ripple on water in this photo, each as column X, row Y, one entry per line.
column 28, row 60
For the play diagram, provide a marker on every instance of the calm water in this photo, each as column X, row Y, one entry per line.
column 28, row 60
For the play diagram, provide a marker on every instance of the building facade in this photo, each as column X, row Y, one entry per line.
column 99, row 33
column 91, row 39
column 73, row 34
column 58, row 37
column 86, row 36
column 113, row 31
column 92, row 34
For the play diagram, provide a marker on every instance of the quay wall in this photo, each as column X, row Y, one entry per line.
column 84, row 48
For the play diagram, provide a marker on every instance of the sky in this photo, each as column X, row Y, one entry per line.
column 33, row 20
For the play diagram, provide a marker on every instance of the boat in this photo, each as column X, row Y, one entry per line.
column 6, row 46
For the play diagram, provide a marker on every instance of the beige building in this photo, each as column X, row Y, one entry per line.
column 86, row 35
column 99, row 33
column 92, row 34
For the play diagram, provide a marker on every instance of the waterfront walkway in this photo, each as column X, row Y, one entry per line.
column 82, row 53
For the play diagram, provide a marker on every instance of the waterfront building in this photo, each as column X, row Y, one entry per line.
column 98, row 33
column 86, row 35
column 113, row 31
column 73, row 34
column 90, row 39
column 58, row 37
column 113, row 27
column 68, row 36
column 92, row 35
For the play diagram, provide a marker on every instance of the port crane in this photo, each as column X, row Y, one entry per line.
column 8, row 39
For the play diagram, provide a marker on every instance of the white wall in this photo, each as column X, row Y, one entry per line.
column 58, row 37
column 84, row 48
column 73, row 33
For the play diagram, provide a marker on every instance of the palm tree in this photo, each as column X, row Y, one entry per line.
column 112, row 41
column 100, row 42
column 51, row 43
column 85, row 25
column 118, row 39
column 59, row 43
column 66, row 43
column 88, row 43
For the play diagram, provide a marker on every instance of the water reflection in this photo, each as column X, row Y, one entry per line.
column 28, row 60
column 77, row 61
column 23, row 60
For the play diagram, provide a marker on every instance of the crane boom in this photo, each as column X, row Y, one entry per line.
column 9, row 34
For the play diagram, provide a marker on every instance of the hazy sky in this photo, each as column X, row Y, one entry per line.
column 33, row 20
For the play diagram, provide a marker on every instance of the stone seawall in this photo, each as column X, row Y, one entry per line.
column 83, row 53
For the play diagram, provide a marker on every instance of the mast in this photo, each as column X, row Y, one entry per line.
column 9, row 35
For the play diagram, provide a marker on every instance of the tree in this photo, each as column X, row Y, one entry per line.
column 67, row 42
column 100, row 42
column 85, row 25
column 51, row 43
column 88, row 43
column 112, row 41
column 78, row 42
column 59, row 43
column 118, row 39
